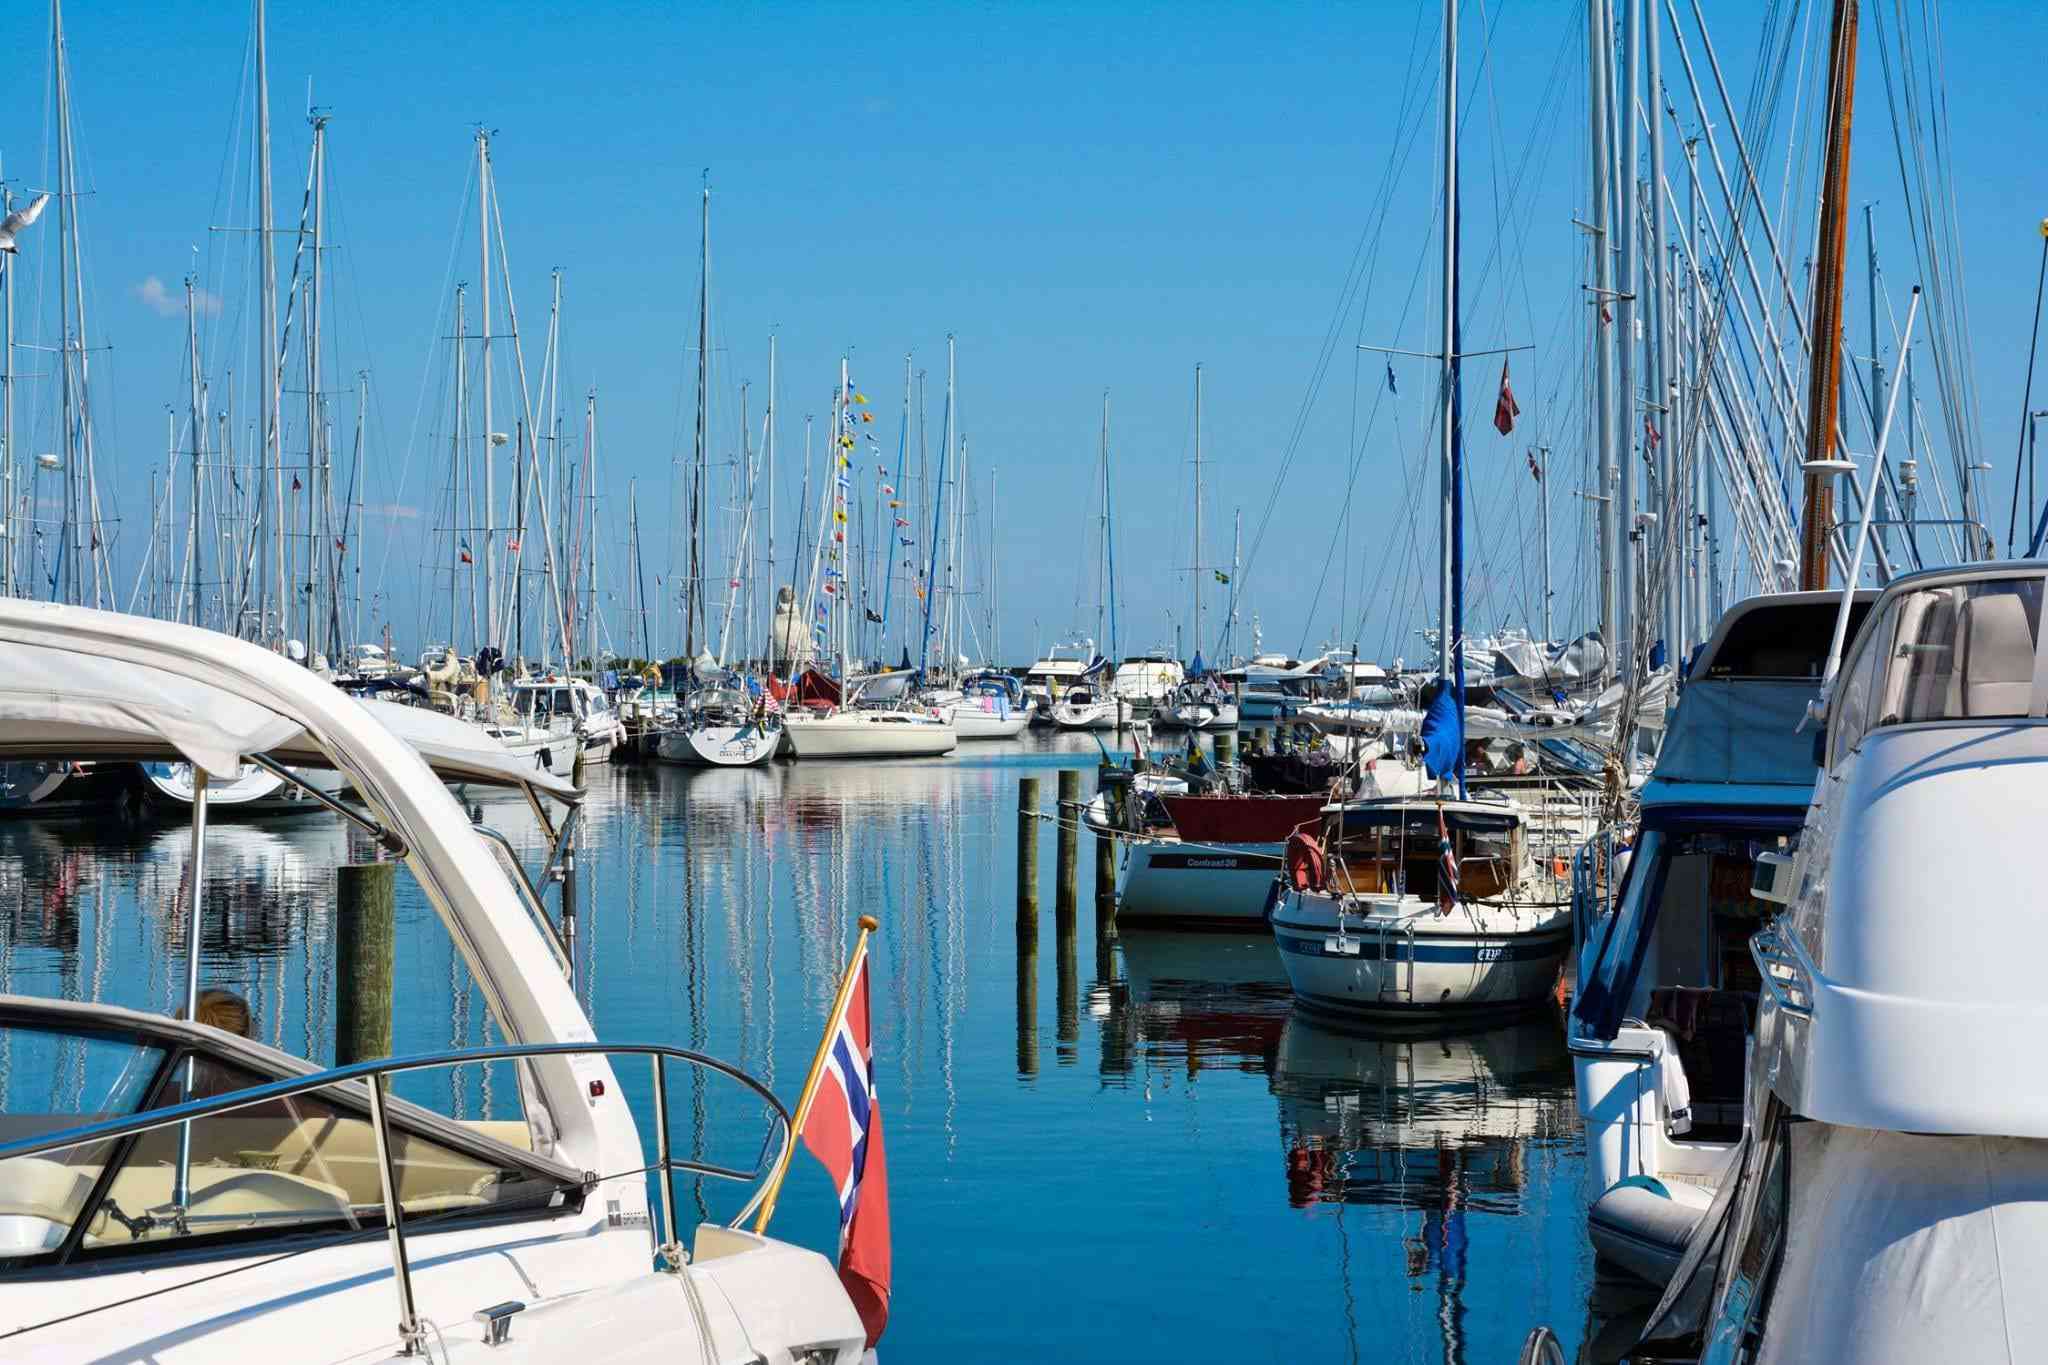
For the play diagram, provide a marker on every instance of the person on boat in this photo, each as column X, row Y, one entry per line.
column 225, row 1011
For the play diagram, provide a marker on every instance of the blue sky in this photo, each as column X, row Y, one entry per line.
column 1088, row 199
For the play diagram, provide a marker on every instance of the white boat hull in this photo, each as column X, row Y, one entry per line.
column 1101, row 715
column 1167, row 881
column 252, row 790
column 971, row 722
column 879, row 734
column 719, row 746
column 1408, row 963
column 1200, row 716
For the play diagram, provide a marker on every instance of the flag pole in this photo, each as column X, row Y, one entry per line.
column 868, row 924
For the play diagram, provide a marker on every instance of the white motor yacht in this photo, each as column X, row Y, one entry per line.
column 1666, row 992
column 991, row 705
column 543, row 703
column 1888, row 1201
column 1066, row 663
column 195, row 1196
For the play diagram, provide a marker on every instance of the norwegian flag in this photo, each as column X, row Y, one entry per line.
column 1446, row 867
column 843, row 1129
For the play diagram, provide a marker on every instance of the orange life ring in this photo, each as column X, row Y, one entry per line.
column 1305, row 869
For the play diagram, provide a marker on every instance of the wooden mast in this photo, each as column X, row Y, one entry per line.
column 1824, row 373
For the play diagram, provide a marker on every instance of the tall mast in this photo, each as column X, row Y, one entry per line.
column 1236, row 555
column 268, row 389
column 317, row 467
column 457, row 518
column 1198, row 509
column 1448, row 396
column 353, row 522
column 590, row 532
column 68, row 546
column 768, row 462
column 1825, row 359
column 196, row 554
column 485, row 551
column 1626, row 223
column 7, row 523
column 693, row 589
column 1665, row 533
column 1543, row 522
column 1599, row 84
column 1102, row 606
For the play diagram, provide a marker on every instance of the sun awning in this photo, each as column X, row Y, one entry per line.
column 66, row 704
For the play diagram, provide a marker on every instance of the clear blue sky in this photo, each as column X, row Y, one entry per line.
column 1088, row 199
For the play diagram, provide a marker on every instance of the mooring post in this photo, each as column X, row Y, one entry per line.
column 364, row 956
column 1226, row 748
column 1027, row 862
column 1067, row 896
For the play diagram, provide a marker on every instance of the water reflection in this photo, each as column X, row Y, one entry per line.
column 1117, row 1092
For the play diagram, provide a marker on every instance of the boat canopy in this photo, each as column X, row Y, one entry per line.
column 73, row 677
column 56, row 703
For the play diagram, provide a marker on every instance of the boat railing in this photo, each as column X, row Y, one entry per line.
column 374, row 1078
column 1785, row 972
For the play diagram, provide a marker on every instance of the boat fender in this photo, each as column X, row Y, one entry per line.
column 1305, row 869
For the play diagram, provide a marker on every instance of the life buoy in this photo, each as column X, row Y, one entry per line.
column 1305, row 868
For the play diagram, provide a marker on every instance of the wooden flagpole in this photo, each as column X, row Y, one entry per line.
column 868, row 924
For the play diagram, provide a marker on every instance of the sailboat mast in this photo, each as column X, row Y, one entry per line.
column 768, row 462
column 269, row 390
column 195, row 557
column 694, row 588
column 457, row 520
column 317, row 471
column 483, row 237
column 7, row 523
column 1198, row 509
column 1448, row 395
column 1598, row 56
column 1102, row 560
column 590, row 530
column 1825, row 358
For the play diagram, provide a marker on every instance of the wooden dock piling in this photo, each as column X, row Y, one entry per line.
column 364, row 957
column 1067, row 894
column 1027, row 862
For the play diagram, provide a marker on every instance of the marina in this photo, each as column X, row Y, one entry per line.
column 738, row 816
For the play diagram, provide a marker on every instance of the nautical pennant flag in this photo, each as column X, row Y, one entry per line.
column 1391, row 388
column 1505, row 410
column 1535, row 470
column 1447, row 867
column 842, row 1128
column 465, row 553
column 1651, row 436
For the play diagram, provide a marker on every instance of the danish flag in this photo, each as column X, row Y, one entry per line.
column 843, row 1129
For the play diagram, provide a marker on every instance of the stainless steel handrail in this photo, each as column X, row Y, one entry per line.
column 1773, row 953
column 376, row 1073
column 536, row 904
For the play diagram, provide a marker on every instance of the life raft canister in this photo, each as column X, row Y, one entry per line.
column 1305, row 870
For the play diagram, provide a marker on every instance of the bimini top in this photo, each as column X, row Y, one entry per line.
column 1908, row 965
column 59, row 703
column 1736, row 740
column 76, row 682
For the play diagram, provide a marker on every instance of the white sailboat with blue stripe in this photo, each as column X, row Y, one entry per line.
column 1375, row 927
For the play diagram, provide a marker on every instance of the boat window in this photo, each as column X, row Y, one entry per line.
column 51, row 1080
column 1746, row 1294
column 285, row 1166
column 1862, row 679
column 1960, row 650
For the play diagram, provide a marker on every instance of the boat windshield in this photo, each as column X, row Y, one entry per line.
column 1947, row 651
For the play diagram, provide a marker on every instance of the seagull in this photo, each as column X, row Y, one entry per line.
column 13, row 223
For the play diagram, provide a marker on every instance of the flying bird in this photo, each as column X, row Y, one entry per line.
column 13, row 223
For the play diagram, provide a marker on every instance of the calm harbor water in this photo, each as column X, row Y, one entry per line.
column 1109, row 1151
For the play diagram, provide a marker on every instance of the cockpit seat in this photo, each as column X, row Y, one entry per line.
column 1997, row 673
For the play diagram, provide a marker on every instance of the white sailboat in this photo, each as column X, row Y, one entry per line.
column 1437, row 903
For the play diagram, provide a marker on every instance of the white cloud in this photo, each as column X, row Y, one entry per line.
column 153, row 294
